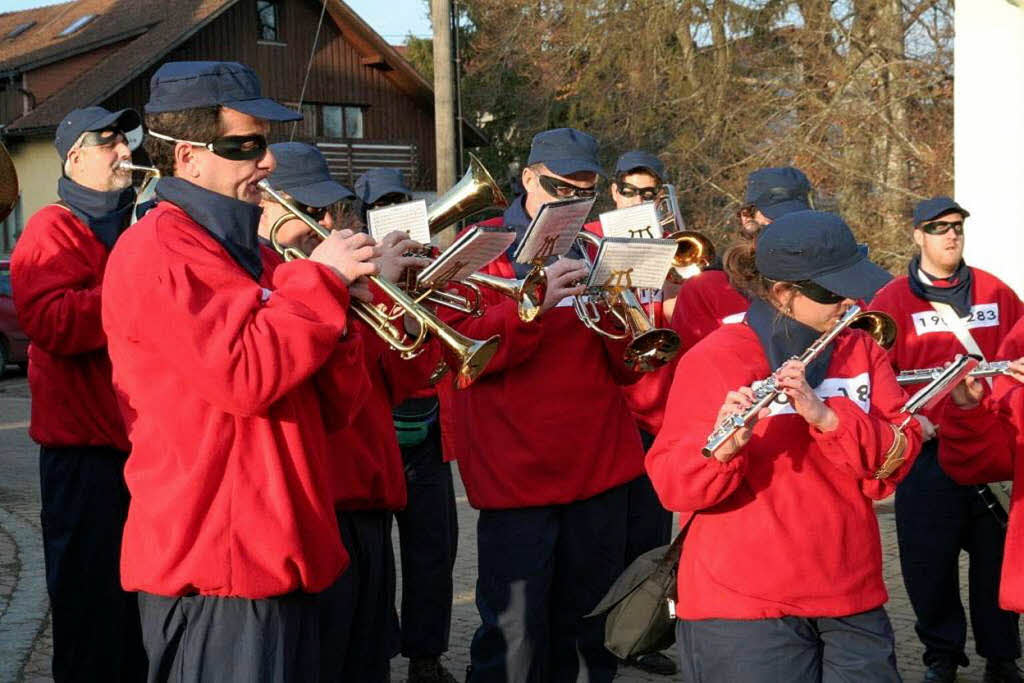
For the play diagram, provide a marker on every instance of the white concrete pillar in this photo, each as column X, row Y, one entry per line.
column 989, row 134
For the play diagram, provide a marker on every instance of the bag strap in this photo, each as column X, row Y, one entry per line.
column 671, row 557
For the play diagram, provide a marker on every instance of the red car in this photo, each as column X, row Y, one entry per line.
column 13, row 340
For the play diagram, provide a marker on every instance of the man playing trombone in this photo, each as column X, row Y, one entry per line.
column 230, row 377
column 545, row 445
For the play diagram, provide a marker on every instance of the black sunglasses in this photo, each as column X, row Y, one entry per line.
column 817, row 293
column 647, row 194
column 563, row 190
column 942, row 227
column 233, row 147
column 317, row 213
column 107, row 137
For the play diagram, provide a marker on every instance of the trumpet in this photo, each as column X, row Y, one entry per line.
column 694, row 253
column 877, row 324
column 528, row 292
column 148, row 187
column 472, row 355
column 649, row 347
column 984, row 369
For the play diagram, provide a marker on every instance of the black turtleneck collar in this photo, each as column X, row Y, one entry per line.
column 106, row 213
column 958, row 294
column 783, row 337
column 233, row 223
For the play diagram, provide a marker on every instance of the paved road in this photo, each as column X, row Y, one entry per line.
column 25, row 643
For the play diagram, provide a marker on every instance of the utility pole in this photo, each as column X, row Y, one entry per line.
column 444, row 94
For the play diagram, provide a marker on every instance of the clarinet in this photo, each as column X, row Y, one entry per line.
column 927, row 374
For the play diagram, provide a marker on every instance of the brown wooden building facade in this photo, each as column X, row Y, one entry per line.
column 363, row 104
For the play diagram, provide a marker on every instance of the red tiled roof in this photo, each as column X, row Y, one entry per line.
column 154, row 28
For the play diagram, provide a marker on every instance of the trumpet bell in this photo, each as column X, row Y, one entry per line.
column 474, row 355
column 652, row 350
column 880, row 326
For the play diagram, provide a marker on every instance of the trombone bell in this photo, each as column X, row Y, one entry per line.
column 880, row 326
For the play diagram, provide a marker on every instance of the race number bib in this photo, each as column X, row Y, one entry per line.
column 734, row 318
column 981, row 315
column 857, row 389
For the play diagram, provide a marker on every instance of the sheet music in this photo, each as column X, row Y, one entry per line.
column 633, row 221
column 468, row 254
column 410, row 217
column 624, row 262
column 552, row 231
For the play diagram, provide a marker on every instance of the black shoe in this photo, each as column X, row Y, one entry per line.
column 941, row 671
column 654, row 663
column 1002, row 671
column 429, row 670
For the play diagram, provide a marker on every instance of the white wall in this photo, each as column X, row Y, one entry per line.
column 989, row 134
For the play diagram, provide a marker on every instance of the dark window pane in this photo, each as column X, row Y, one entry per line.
column 266, row 14
column 332, row 118
column 353, row 122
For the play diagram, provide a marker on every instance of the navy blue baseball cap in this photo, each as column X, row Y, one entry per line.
column 190, row 85
column 638, row 159
column 935, row 207
column 818, row 246
column 302, row 172
column 565, row 151
column 90, row 119
column 777, row 191
column 378, row 182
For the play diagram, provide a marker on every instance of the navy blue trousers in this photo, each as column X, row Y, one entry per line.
column 936, row 518
column 358, row 624
column 210, row 639
column 649, row 525
column 96, row 633
column 540, row 570
column 854, row 649
column 428, row 534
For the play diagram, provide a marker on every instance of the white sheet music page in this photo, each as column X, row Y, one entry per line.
column 633, row 221
column 468, row 254
column 625, row 262
column 553, row 229
column 410, row 217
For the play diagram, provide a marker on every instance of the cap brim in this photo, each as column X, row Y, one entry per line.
column 859, row 281
column 264, row 108
column 570, row 166
column 320, row 194
column 382, row 190
column 776, row 211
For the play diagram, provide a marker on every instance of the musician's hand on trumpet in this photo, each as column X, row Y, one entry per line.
column 398, row 254
column 565, row 278
column 791, row 378
column 351, row 256
column 736, row 403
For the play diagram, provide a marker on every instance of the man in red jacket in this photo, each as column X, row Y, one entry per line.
column 56, row 273
column 230, row 376
column 428, row 530
column 944, row 307
column 638, row 178
column 545, row 445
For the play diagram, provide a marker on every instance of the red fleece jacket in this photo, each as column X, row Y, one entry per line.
column 787, row 526
column 228, row 387
column 56, row 273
